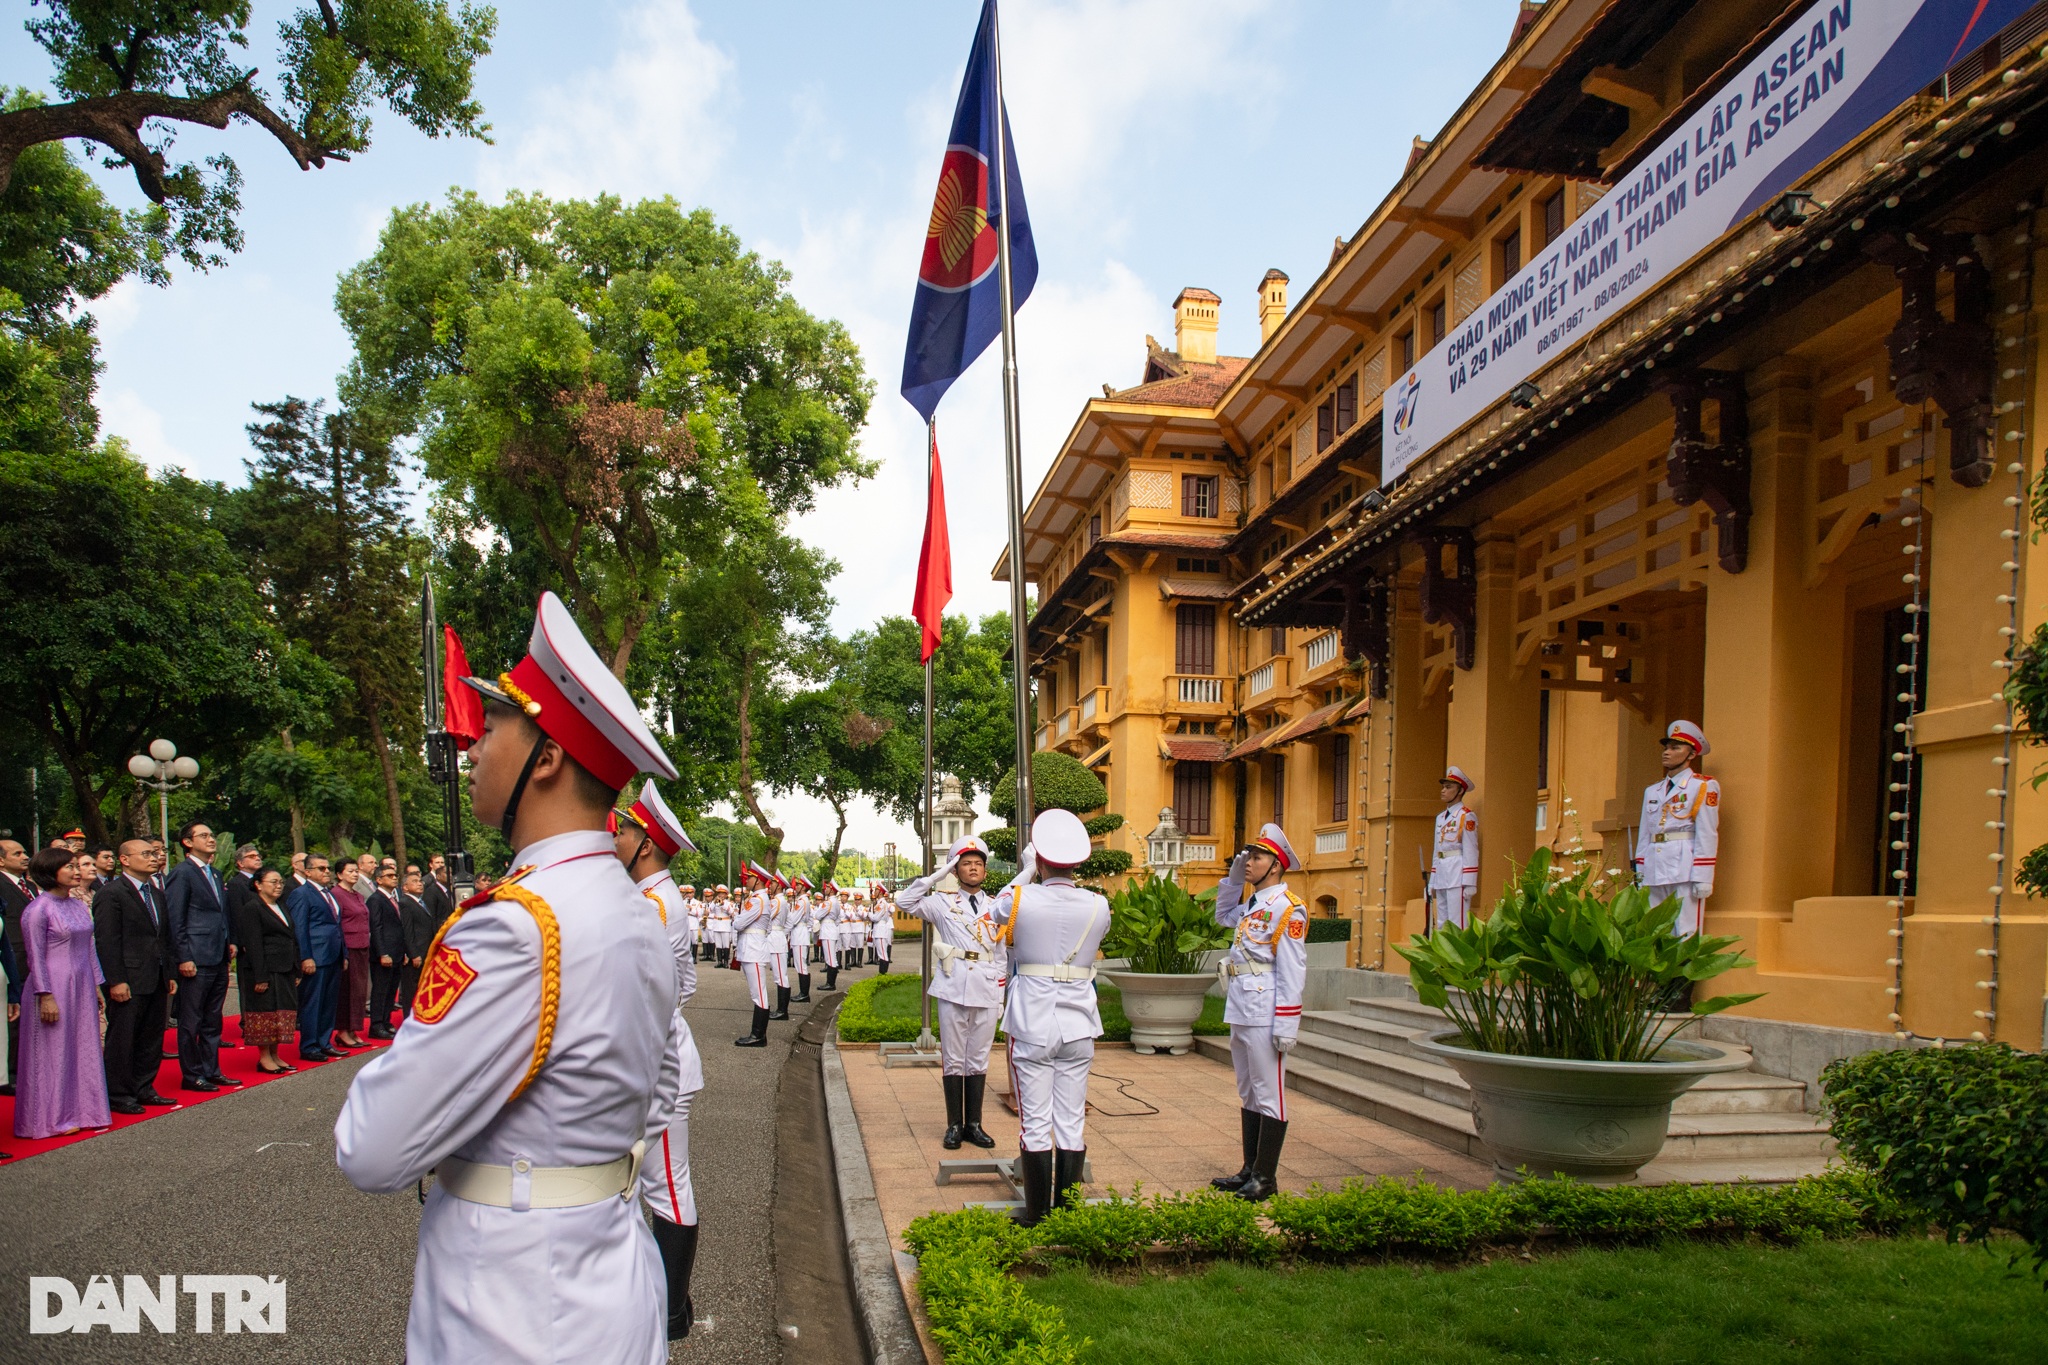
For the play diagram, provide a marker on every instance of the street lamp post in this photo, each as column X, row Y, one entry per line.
column 163, row 772
column 1165, row 847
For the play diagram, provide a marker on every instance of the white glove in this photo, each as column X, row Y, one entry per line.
column 1027, row 866
column 1236, row 872
column 1283, row 1043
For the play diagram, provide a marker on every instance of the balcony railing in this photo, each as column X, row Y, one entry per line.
column 1259, row 680
column 1094, row 702
column 1321, row 650
column 1045, row 736
column 1066, row 723
column 1330, row 841
column 1197, row 690
column 1199, row 853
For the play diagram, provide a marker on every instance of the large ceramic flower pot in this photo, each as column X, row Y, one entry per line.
column 1163, row 1008
column 1597, row 1121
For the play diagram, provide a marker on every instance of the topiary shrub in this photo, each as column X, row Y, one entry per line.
column 1058, row 781
column 1960, row 1133
column 1330, row 929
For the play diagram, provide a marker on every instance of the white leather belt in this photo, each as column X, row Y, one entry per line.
column 523, row 1185
column 1245, row 968
column 1058, row 971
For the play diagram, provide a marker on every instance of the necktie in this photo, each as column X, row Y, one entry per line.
column 148, row 902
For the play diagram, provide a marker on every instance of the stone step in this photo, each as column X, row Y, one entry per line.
column 1746, row 1137
column 1412, row 1013
column 1449, row 1126
column 1429, row 1079
column 1398, row 1038
column 1760, row 1171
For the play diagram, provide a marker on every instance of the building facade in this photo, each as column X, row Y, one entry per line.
column 1781, row 490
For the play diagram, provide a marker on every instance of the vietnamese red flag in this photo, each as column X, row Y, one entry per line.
column 464, row 709
column 934, row 561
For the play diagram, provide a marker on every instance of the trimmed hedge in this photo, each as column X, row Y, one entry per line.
column 1329, row 930
column 859, row 1021
column 1959, row 1133
column 979, row 1313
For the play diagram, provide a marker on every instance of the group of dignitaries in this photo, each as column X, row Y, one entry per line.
column 546, row 1078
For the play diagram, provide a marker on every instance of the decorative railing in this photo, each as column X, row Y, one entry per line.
column 1259, row 680
column 1199, row 690
column 1331, row 841
column 1321, row 650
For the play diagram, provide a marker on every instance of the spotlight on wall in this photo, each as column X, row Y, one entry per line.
column 1791, row 209
column 1525, row 395
column 1373, row 500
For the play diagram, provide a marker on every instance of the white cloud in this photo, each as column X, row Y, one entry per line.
column 648, row 124
column 123, row 413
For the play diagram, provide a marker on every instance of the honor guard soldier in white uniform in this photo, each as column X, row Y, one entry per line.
column 1454, row 870
column 968, row 985
column 1263, row 975
column 529, row 1076
column 781, row 912
column 1053, row 930
column 883, row 930
column 753, row 957
column 1681, row 829
column 647, row 837
column 800, row 942
column 828, row 936
column 718, row 923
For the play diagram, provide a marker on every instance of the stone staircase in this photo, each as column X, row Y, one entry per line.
column 1732, row 1126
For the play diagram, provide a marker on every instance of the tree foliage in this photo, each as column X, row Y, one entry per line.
column 619, row 387
column 132, row 69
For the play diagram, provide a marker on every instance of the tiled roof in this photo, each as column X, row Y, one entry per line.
column 1207, row 589
column 1193, row 748
column 1198, row 385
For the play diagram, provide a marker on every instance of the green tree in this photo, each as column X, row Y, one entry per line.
column 324, row 525
column 128, row 615
column 129, row 69
column 819, row 741
column 617, row 386
column 1059, row 782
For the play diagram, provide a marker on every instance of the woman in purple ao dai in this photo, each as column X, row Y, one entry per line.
column 63, row 1082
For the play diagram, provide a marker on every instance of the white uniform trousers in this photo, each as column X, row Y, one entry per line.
column 882, row 943
column 965, row 1032
column 781, row 966
column 665, row 1173
column 1261, row 1070
column 1689, row 906
column 756, row 974
column 1450, row 905
column 1052, row 1092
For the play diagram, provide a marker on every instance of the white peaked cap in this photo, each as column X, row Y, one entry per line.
column 1691, row 734
column 660, row 822
column 575, row 700
column 1274, row 840
column 1060, row 838
column 969, row 845
column 1456, row 774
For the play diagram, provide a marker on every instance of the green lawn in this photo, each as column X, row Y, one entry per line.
column 898, row 999
column 1677, row 1304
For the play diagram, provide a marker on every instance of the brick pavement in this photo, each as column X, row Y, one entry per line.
column 1160, row 1122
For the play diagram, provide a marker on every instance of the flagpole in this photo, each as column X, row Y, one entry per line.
column 925, row 1041
column 1013, row 458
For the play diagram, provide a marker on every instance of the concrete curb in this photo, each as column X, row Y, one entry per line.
column 885, row 1317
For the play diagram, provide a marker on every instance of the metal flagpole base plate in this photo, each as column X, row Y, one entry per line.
column 1003, row 1168
column 923, row 1052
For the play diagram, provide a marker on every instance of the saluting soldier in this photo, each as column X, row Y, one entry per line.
column 648, row 836
column 1263, row 975
column 968, row 985
column 1454, row 871
column 718, row 921
column 751, row 954
column 1053, row 929
column 1681, row 828
column 882, row 931
column 529, row 1075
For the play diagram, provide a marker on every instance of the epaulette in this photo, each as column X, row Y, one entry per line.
column 550, row 964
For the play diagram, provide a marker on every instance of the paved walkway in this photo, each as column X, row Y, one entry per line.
column 1163, row 1123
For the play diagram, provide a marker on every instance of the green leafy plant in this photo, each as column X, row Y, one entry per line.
column 1559, row 971
column 1960, row 1133
column 1059, row 782
column 1330, row 930
column 1159, row 927
column 858, row 1021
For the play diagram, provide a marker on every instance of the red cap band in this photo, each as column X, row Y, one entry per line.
column 1278, row 852
column 560, row 721
column 654, row 830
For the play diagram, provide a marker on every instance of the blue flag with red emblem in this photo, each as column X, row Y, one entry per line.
column 959, row 309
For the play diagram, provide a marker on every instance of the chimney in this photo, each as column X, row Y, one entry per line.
column 1194, row 324
column 1272, row 303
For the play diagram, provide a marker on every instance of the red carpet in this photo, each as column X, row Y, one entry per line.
column 236, row 1060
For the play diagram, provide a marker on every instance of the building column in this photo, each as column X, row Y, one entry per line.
column 1774, row 691
column 1410, row 729
column 1493, row 726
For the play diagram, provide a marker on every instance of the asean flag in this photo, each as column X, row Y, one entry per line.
column 958, row 309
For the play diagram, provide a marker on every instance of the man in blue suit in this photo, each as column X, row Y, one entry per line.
column 316, row 919
column 197, row 906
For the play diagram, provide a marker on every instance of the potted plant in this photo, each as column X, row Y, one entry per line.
column 1165, row 935
column 1556, row 996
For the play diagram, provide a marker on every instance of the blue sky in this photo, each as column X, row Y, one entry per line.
column 1162, row 143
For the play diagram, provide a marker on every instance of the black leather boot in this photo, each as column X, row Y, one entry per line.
column 1066, row 1174
column 1265, row 1181
column 781, row 1003
column 831, row 978
column 678, row 1243
column 956, row 1102
column 803, row 990
column 1034, row 1172
column 1248, row 1123
column 759, row 1037
column 970, row 1128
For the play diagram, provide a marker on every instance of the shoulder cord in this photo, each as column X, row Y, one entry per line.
column 659, row 907
column 550, row 971
column 1006, row 933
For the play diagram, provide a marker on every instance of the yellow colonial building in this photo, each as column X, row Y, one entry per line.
column 1777, row 484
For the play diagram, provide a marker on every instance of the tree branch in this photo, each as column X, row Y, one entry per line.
column 115, row 122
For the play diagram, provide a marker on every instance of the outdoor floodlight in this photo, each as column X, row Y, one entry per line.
column 1790, row 209
column 1525, row 395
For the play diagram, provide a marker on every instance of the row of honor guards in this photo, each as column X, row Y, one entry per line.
column 546, row 1075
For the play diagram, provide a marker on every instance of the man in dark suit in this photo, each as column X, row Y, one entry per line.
column 418, row 922
column 438, row 898
column 316, row 921
column 241, row 886
column 200, row 935
column 15, row 894
column 387, row 949
column 132, row 933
